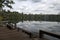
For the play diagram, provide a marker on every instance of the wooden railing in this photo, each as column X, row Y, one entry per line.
column 25, row 31
column 41, row 32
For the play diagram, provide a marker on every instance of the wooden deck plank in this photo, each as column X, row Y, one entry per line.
column 6, row 34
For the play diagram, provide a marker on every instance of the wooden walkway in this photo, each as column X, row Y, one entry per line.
column 6, row 34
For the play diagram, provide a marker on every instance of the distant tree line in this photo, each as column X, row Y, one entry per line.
column 15, row 17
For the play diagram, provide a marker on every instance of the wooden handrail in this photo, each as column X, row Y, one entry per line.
column 28, row 33
column 41, row 32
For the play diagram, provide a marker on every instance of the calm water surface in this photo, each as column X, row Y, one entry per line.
column 35, row 26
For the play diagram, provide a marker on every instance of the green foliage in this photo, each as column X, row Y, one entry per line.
column 15, row 17
column 6, row 3
column 1, row 18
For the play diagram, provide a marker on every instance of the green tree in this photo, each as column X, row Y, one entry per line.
column 1, row 18
column 7, row 3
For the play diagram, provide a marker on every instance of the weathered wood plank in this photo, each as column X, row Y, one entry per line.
column 41, row 32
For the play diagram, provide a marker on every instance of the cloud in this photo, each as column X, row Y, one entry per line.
column 22, row 0
column 47, row 6
column 37, row 6
column 36, row 1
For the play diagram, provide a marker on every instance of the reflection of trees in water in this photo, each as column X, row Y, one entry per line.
column 15, row 17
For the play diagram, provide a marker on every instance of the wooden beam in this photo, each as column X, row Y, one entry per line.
column 41, row 32
column 25, row 31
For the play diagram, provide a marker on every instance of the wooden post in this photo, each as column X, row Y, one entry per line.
column 18, row 29
column 28, row 33
column 40, row 34
column 15, row 25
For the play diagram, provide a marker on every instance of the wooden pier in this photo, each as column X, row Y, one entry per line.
column 41, row 34
column 21, row 34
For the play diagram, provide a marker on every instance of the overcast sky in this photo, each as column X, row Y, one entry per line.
column 37, row 6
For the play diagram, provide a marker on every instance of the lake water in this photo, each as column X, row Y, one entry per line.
column 35, row 26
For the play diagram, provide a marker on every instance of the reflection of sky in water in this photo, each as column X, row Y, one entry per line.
column 34, row 26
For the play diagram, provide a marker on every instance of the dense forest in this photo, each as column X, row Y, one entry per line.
column 15, row 17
